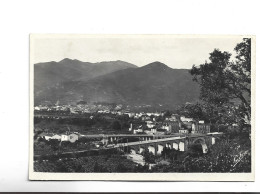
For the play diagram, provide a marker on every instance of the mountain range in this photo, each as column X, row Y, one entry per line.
column 115, row 82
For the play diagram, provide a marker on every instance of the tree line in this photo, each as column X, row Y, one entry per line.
column 225, row 87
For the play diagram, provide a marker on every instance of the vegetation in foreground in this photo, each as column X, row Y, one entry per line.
column 108, row 161
column 230, row 154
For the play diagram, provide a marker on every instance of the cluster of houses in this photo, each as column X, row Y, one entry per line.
column 172, row 124
column 94, row 108
column 79, row 108
column 69, row 137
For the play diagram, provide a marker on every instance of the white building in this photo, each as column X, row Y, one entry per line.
column 58, row 137
column 130, row 114
column 184, row 131
column 150, row 124
column 64, row 137
column 154, row 130
column 183, row 119
column 148, row 132
column 48, row 137
column 37, row 108
column 167, row 127
column 119, row 112
column 135, row 131
column 73, row 137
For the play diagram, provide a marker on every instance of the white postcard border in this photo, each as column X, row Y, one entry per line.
column 143, row 176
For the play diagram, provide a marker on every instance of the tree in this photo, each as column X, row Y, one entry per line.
column 192, row 110
column 241, row 79
column 224, row 83
column 148, row 157
column 116, row 125
column 96, row 167
column 167, row 113
column 195, row 150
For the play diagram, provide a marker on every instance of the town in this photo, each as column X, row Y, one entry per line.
column 151, row 132
column 150, row 123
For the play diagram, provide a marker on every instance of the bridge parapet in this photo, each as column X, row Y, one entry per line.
column 178, row 143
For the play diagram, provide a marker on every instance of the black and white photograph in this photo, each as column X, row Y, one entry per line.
column 129, row 96
column 133, row 107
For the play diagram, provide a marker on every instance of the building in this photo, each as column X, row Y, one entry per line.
column 187, row 125
column 185, row 131
column 37, row 108
column 184, row 119
column 135, row 131
column 119, row 113
column 73, row 137
column 130, row 114
column 174, row 117
column 154, row 130
column 167, row 127
column 203, row 128
column 145, row 118
column 150, row 124
column 148, row 132
column 56, row 136
column 160, row 132
column 48, row 137
column 174, row 126
column 64, row 137
column 200, row 127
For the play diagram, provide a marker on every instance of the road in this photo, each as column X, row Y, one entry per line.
column 140, row 142
column 146, row 142
column 128, row 135
column 141, row 135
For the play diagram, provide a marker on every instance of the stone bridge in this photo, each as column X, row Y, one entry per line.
column 111, row 138
column 156, row 146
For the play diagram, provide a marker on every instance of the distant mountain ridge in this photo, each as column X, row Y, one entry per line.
column 153, row 84
column 51, row 73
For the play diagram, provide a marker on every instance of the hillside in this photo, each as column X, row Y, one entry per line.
column 152, row 84
column 53, row 74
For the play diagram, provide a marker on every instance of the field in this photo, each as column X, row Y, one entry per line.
column 104, row 163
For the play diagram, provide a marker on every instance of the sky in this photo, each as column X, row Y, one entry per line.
column 179, row 52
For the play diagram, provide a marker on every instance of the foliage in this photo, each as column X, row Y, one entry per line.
column 167, row 113
column 116, row 125
column 224, row 83
column 241, row 79
column 194, row 150
column 231, row 154
column 101, row 163
column 194, row 111
column 171, row 154
column 149, row 158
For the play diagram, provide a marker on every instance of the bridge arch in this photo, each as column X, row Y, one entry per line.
column 151, row 148
column 175, row 145
column 141, row 150
column 201, row 141
column 168, row 145
column 160, row 149
column 182, row 146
